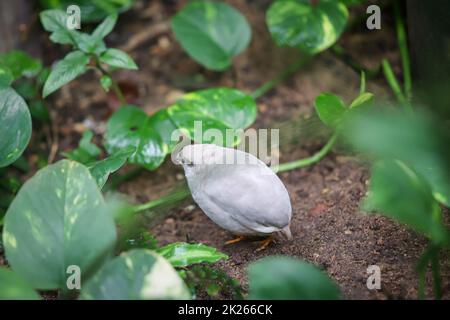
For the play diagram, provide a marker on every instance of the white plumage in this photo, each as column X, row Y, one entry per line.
column 236, row 190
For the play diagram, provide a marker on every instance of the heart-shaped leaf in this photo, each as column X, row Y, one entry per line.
column 289, row 279
column 415, row 139
column 310, row 27
column 101, row 170
column 136, row 275
column 14, row 287
column 181, row 254
column 330, row 109
column 119, row 59
column 217, row 109
column 400, row 193
column 129, row 126
column 15, row 128
column 58, row 219
column 212, row 33
column 73, row 65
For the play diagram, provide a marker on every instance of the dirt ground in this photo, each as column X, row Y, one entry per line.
column 328, row 228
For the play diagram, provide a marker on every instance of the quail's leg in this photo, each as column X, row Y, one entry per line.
column 265, row 243
column 236, row 240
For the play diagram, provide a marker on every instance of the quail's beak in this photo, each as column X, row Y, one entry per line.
column 179, row 159
column 186, row 162
column 182, row 161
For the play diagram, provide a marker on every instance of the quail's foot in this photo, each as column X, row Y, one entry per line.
column 236, row 240
column 265, row 243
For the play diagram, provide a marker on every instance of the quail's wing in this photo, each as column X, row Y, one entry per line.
column 251, row 194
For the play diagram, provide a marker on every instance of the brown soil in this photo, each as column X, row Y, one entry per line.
column 329, row 229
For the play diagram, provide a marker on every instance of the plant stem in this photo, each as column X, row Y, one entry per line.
column 392, row 81
column 310, row 160
column 169, row 199
column 404, row 54
column 421, row 269
column 269, row 85
column 431, row 253
column 435, row 269
column 117, row 91
column 362, row 87
column 340, row 53
column 119, row 179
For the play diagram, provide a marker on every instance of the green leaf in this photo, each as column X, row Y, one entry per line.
column 212, row 33
column 73, row 65
column 330, row 109
column 58, row 219
column 101, row 170
column 86, row 152
column 39, row 111
column 54, row 21
column 6, row 77
column 106, row 82
column 15, row 128
column 181, row 254
column 162, row 124
column 416, row 139
column 88, row 44
column 361, row 99
column 129, row 126
column 119, row 59
column 290, row 279
column 20, row 64
column 26, row 88
column 310, row 27
column 219, row 108
column 105, row 28
column 400, row 193
column 136, row 275
column 14, row 287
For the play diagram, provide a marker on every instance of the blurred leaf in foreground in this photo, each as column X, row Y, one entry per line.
column 418, row 140
column 14, row 287
column 136, row 275
column 398, row 192
column 290, row 279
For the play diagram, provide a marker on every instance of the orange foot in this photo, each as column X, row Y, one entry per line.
column 265, row 243
column 236, row 240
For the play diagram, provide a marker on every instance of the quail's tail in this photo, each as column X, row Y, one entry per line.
column 286, row 231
